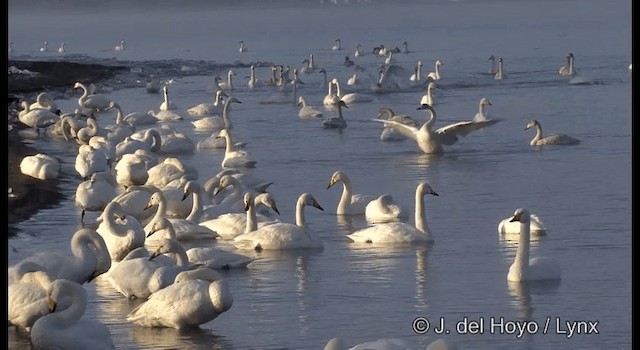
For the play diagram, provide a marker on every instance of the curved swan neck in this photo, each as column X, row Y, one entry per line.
column 112, row 226
column 345, row 198
column 538, row 134
column 75, row 311
column 119, row 114
column 300, row 212
column 153, row 138
column 431, row 120
column 303, row 101
column 196, row 208
column 338, row 91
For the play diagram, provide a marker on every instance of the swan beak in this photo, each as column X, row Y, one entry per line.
column 315, row 204
column 216, row 190
column 275, row 208
column 153, row 230
column 185, row 195
column 435, row 193
column 93, row 276
column 299, row 104
column 51, row 304
column 154, row 255
column 246, row 206
column 331, row 183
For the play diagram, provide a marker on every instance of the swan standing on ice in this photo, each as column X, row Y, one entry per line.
column 37, row 118
column 166, row 104
column 568, row 69
column 390, row 133
column 524, row 268
column 336, row 46
column 556, row 139
column 283, row 235
column 337, row 121
column 507, row 226
column 66, row 328
column 349, row 204
column 400, row 232
column 306, row 110
column 500, row 74
column 430, row 141
column 40, row 166
column 196, row 297
column 243, row 47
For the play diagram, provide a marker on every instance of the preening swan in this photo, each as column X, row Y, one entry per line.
column 93, row 102
column 152, row 141
column 430, row 141
column 167, row 104
column 523, row 268
column 568, row 69
column 45, row 100
column 349, row 204
column 243, row 47
column 89, row 258
column 196, row 297
column 131, row 169
column 235, row 158
column 283, row 235
column 400, row 232
column 121, row 233
column 27, row 298
column 384, row 209
column 40, row 166
column 556, row 139
column 337, row 121
column 500, row 74
column 536, row 228
column 336, row 46
column 306, row 110
column 66, row 329
column 389, row 133
column 90, row 160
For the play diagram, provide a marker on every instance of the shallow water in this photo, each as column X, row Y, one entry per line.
column 301, row 299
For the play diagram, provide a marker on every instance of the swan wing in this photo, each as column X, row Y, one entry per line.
column 407, row 130
column 450, row 134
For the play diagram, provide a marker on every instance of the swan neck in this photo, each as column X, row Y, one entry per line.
column 182, row 259
column 112, row 226
column 521, row 261
column 196, row 208
column 538, row 134
column 420, row 216
column 161, row 212
column 225, row 113
column 74, row 312
column 229, row 144
column 153, row 139
column 345, row 198
column 300, row 212
column 571, row 65
column 252, row 220
column 338, row 91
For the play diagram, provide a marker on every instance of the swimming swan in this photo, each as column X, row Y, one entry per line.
column 166, row 104
column 40, row 166
column 44, row 47
column 427, row 98
column 337, row 121
column 196, row 297
column 336, row 46
column 283, row 235
column 349, row 204
column 214, row 122
column 568, row 69
column 537, row 228
column 243, row 47
column 556, row 139
column 500, row 74
column 233, row 157
column 430, row 141
column 436, row 75
column 66, row 328
column 306, row 110
column 523, row 268
column 400, row 232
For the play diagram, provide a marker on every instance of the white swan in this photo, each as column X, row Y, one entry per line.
column 384, row 209
column 166, row 104
column 283, row 235
column 233, row 157
column 253, row 81
column 330, row 99
column 336, row 46
column 228, row 85
column 233, row 202
column 153, row 85
column 493, row 69
column 306, row 110
column 177, row 143
column 416, row 77
column 243, row 47
column 89, row 258
column 134, row 199
column 121, row 234
column 231, row 225
column 400, row 232
column 523, row 268
column 133, row 118
column 537, row 228
column 45, row 100
column 215, row 122
column 44, row 47
column 93, row 102
column 171, row 170
column 350, row 98
column 358, row 51
column 430, row 141
column 37, row 118
column 353, row 80
column 152, row 141
column 568, row 69
column 196, row 297
column 120, row 46
column 94, row 194
column 131, row 169
column 556, row 139
column 40, row 166
column 337, row 121
column 90, row 160
column 427, row 98
column 500, row 73
column 61, row 49
column 349, row 204
column 66, row 329
column 436, row 74
column 390, row 133
column 27, row 298
column 141, row 276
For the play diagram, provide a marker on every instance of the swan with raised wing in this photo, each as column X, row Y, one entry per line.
column 400, row 232
column 430, row 141
column 283, row 235
column 555, row 139
column 65, row 328
column 389, row 133
column 525, row 268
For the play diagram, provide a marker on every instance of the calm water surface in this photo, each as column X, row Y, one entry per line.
column 299, row 300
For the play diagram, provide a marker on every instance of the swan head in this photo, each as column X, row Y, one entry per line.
column 439, row 63
column 485, row 101
column 189, row 188
column 267, row 199
column 532, row 123
column 155, row 199
column 248, row 201
column 492, row 57
column 223, row 133
column 426, row 106
column 521, row 215
column 341, row 103
column 78, row 85
column 112, row 105
column 425, row 188
column 167, row 246
column 337, row 176
column 307, row 199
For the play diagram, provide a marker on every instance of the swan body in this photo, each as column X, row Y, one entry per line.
column 44, row 47
column 27, row 299
column 243, row 47
column 390, row 133
column 233, row 157
column 153, row 85
column 349, row 204
column 120, row 46
column 430, row 141
column 61, row 49
column 556, row 139
column 427, row 98
column 131, row 170
column 37, row 118
column 283, row 235
column 436, row 74
column 417, row 76
column 228, row 85
column 133, row 201
column 151, row 141
column 93, row 102
column 94, row 194
column 400, row 232
column 89, row 258
column 90, row 160
column 177, row 143
column 40, row 166
column 337, row 45
column 353, row 80
column 122, row 234
column 524, row 268
column 196, row 297
column 210, row 108
column 330, row 99
column 337, row 121
column 383, row 209
column 307, row 111
column 167, row 172
column 66, row 329
column 568, row 69
column 536, row 228
column 166, row 104
column 500, row 73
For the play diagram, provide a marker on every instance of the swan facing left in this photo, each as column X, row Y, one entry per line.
column 555, row 139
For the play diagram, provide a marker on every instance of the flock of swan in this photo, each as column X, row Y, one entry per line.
column 150, row 203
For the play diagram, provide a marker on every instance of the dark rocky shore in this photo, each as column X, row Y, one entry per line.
column 29, row 195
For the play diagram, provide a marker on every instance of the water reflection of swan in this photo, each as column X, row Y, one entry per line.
column 66, row 329
column 523, row 268
column 556, row 139
column 188, row 338
column 400, row 232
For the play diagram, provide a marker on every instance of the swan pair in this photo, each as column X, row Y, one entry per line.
column 555, row 139
column 400, row 232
